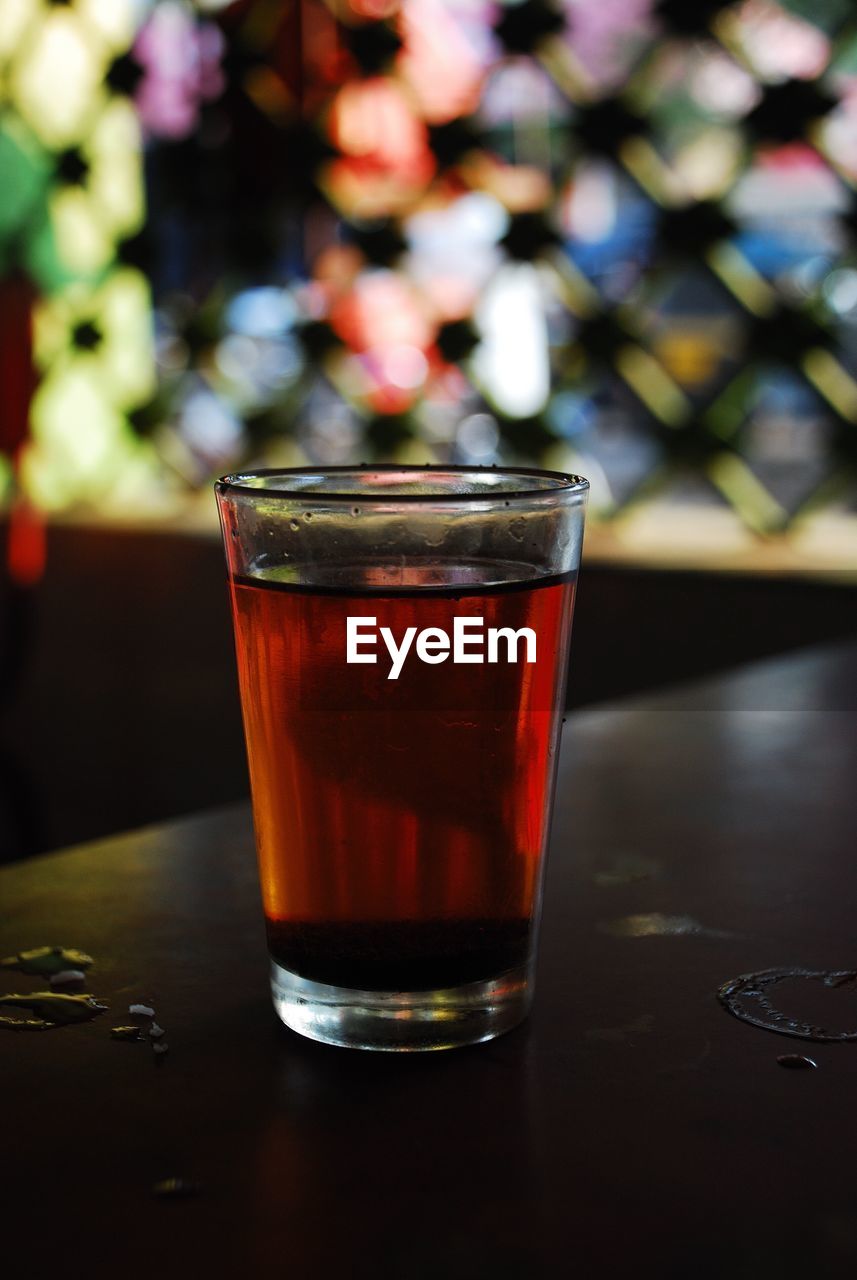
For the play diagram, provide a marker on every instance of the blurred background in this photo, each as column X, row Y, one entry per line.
column 617, row 237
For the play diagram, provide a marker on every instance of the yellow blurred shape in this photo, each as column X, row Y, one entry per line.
column 691, row 358
column 81, row 238
column 647, row 167
column 113, row 19
column 741, row 278
column 836, row 385
column 757, row 508
column 56, row 78
column 127, row 309
column 15, row 16
column 652, row 384
column 708, row 165
column 78, row 438
column 120, row 308
column 116, row 182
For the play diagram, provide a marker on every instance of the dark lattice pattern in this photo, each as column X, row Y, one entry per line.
column 707, row 336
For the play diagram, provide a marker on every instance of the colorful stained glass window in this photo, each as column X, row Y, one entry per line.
column 73, row 194
column 613, row 237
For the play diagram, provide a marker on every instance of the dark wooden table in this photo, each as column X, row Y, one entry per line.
column 632, row 1127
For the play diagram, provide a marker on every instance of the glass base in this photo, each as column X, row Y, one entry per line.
column 401, row 1021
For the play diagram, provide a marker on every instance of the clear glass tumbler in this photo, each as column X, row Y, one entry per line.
column 402, row 641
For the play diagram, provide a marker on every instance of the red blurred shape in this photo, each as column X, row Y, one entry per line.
column 17, row 372
column 437, row 62
column 386, row 160
column 790, row 157
column 380, row 312
column 26, row 548
column 372, row 9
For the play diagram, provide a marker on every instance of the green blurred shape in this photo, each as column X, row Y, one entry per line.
column 26, row 236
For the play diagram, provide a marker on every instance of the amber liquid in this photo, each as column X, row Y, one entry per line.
column 400, row 825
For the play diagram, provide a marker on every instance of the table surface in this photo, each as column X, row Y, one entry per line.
column 630, row 1126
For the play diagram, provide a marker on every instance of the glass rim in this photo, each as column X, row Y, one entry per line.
column 563, row 483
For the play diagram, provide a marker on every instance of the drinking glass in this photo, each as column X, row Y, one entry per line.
column 402, row 642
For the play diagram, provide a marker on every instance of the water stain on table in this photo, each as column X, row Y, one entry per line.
column 619, row 1035
column 809, row 1005
column 46, row 961
column 51, row 1008
column 627, row 868
column 655, row 925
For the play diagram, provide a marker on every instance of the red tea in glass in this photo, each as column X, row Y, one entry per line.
column 402, row 642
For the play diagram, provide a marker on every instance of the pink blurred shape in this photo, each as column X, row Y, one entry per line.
column 386, row 159
column 605, row 33
column 382, row 310
column 437, row 61
column 180, row 58
column 781, row 44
